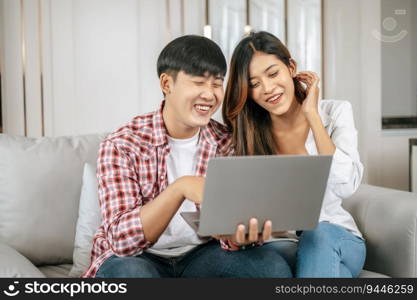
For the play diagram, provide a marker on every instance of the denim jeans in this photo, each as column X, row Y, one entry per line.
column 207, row 260
column 329, row 251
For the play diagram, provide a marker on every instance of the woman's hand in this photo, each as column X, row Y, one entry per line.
column 324, row 143
column 310, row 103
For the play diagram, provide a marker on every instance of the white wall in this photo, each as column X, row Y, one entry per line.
column 98, row 58
column 399, row 68
column 399, row 81
column 353, row 71
column 394, row 166
column 345, row 63
column 80, row 85
column 95, row 64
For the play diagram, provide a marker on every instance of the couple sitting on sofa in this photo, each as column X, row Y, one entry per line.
column 153, row 168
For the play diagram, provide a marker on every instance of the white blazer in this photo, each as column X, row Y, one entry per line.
column 346, row 170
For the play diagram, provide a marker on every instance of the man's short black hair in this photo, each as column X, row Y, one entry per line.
column 193, row 54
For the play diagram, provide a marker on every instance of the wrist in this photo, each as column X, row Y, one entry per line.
column 313, row 117
column 178, row 189
column 235, row 246
column 232, row 245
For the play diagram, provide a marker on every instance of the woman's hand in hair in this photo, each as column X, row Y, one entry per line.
column 310, row 103
column 324, row 143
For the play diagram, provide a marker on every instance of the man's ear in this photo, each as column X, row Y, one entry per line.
column 293, row 67
column 166, row 82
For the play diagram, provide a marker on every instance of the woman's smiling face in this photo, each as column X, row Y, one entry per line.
column 271, row 83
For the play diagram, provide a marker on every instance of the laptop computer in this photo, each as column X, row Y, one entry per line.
column 286, row 189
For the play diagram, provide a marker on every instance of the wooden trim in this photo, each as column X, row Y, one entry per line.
column 40, row 40
column 248, row 12
column 168, row 19
column 207, row 13
column 23, row 53
column 182, row 17
column 411, row 143
column 322, row 60
column 286, row 21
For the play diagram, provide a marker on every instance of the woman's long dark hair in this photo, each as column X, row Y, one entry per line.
column 250, row 123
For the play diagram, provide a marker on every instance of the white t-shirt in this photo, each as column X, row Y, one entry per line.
column 179, row 238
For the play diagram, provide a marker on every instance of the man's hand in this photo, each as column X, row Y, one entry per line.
column 191, row 187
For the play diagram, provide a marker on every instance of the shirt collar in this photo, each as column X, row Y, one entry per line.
column 207, row 136
column 159, row 134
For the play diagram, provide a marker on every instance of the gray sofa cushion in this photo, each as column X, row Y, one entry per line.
column 14, row 264
column 58, row 271
column 40, row 185
column 388, row 221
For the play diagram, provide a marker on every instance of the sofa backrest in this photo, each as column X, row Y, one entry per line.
column 40, row 185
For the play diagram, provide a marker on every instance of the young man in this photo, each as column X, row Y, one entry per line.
column 153, row 168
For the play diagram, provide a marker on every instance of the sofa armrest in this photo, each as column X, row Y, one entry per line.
column 14, row 264
column 388, row 219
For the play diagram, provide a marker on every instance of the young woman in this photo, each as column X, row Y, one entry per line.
column 270, row 112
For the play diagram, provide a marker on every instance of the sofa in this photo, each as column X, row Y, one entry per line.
column 43, row 179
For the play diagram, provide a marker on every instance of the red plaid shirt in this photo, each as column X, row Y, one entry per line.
column 131, row 171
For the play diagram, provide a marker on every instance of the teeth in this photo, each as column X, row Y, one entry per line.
column 274, row 98
column 203, row 107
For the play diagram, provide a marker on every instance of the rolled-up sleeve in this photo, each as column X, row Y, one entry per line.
column 120, row 200
column 346, row 170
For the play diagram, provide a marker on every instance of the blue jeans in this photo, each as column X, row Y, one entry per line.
column 329, row 251
column 207, row 260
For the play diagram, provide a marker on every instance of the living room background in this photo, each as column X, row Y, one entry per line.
column 90, row 65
